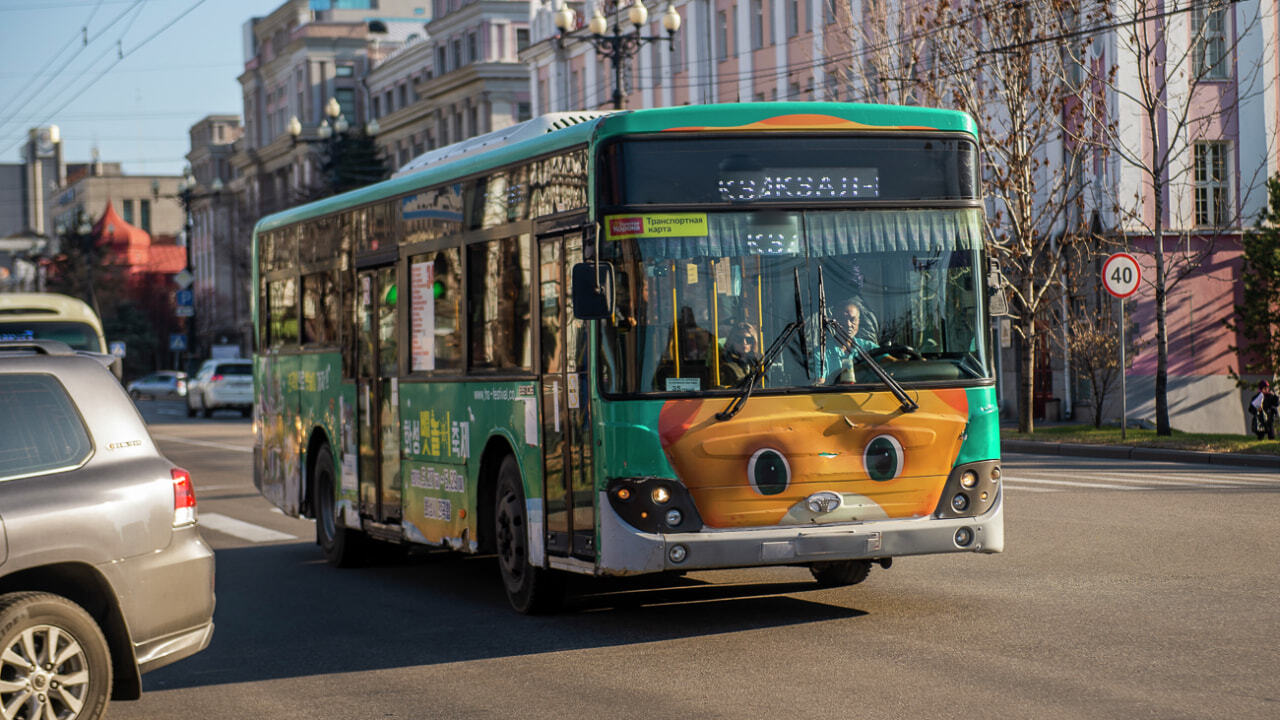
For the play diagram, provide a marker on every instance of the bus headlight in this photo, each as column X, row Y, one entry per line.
column 653, row 504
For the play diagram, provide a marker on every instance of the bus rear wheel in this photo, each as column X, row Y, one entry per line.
column 342, row 547
column 840, row 573
column 530, row 589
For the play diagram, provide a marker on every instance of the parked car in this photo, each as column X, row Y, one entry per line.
column 221, row 384
column 103, row 573
column 161, row 384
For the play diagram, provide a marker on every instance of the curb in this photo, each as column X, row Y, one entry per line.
column 1125, row 452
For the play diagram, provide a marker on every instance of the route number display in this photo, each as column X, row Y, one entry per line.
column 1121, row 275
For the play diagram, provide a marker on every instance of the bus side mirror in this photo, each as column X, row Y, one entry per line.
column 592, row 291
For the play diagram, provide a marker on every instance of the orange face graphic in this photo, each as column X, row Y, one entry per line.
column 815, row 458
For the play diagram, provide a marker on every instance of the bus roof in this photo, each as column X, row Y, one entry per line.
column 46, row 306
column 542, row 136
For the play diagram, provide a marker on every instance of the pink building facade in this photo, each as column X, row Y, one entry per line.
column 1219, row 68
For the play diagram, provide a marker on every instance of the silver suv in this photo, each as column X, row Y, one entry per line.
column 103, row 573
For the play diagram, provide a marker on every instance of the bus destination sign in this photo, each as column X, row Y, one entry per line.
column 800, row 184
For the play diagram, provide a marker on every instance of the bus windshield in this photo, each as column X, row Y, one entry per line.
column 696, row 313
column 78, row 335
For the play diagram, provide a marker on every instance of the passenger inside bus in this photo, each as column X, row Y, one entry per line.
column 740, row 353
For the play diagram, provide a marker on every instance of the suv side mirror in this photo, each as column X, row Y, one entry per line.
column 592, row 290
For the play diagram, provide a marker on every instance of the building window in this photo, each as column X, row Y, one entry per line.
column 404, row 96
column 144, row 216
column 1209, row 33
column 344, row 70
column 473, row 47
column 522, row 38
column 524, row 111
column 457, row 53
column 1212, row 186
column 757, row 24
column 440, row 59
column 793, row 18
column 346, row 98
column 722, row 35
column 126, row 209
column 377, row 106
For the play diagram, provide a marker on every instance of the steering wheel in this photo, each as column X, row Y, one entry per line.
column 898, row 351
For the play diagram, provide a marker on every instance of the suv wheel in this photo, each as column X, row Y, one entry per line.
column 53, row 658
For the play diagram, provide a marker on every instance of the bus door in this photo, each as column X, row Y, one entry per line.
column 566, row 425
column 377, row 393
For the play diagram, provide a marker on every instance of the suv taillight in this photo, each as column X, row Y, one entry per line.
column 216, row 378
column 184, row 498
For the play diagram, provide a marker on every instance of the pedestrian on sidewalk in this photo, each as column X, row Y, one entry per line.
column 1264, row 407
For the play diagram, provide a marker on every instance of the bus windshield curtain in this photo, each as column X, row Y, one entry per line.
column 831, row 233
column 886, row 231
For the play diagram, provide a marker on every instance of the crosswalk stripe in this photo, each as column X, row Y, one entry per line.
column 205, row 443
column 241, row 529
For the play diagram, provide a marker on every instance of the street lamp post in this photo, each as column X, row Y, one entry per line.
column 186, row 195
column 333, row 131
column 618, row 46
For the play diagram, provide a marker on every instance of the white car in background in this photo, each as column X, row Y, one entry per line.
column 219, row 385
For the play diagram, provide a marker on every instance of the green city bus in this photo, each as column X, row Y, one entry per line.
column 662, row 340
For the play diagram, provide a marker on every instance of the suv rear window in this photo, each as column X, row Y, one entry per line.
column 235, row 369
column 40, row 429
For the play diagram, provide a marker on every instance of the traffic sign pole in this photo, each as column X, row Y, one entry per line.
column 1124, row 394
column 1121, row 275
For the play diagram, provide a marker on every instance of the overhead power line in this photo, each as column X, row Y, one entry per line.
column 121, row 55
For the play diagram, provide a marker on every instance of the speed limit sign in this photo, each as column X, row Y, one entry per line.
column 1121, row 274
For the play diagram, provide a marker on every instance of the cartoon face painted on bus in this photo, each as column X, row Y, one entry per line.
column 814, row 459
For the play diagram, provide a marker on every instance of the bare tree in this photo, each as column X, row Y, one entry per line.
column 1020, row 90
column 1166, row 110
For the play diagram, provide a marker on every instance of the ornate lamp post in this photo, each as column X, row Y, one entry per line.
column 187, row 194
column 334, row 132
column 618, row 46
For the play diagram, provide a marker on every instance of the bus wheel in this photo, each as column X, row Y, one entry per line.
column 342, row 547
column 840, row 572
column 531, row 590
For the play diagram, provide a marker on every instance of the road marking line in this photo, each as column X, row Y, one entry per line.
column 1020, row 488
column 205, row 443
column 242, row 529
column 1072, row 483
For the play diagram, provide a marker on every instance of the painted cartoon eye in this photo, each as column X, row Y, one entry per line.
column 768, row 471
column 883, row 458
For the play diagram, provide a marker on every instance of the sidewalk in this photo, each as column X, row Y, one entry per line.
column 1125, row 452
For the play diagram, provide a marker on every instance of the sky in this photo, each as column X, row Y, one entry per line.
column 137, row 110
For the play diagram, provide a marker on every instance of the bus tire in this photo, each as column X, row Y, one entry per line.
column 530, row 589
column 840, row 573
column 79, row 686
column 342, row 547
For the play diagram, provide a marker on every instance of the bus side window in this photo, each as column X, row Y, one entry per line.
column 319, row 309
column 499, row 276
column 282, row 309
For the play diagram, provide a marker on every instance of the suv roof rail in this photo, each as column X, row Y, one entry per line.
column 42, row 347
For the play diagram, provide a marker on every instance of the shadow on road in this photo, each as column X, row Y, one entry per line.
column 282, row 612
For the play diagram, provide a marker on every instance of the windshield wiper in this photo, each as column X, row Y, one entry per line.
column 825, row 322
column 758, row 371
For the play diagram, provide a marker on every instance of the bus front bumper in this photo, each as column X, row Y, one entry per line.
column 624, row 550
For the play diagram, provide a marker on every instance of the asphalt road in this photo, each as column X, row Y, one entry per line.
column 1127, row 590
